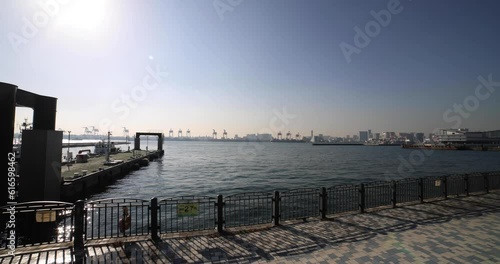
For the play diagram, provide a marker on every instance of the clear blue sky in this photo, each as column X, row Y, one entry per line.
column 234, row 67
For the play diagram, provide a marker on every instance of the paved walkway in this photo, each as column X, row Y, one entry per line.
column 459, row 230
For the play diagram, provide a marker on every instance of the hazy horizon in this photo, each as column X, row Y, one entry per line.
column 335, row 67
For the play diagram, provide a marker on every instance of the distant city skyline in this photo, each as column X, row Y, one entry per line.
column 335, row 67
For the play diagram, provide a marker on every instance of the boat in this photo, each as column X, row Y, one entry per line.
column 102, row 147
column 325, row 143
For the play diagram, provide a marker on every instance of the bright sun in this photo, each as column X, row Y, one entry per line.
column 82, row 16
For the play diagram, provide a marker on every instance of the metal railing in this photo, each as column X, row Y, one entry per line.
column 116, row 217
column 40, row 222
column 186, row 213
column 247, row 209
column 299, row 203
column 49, row 222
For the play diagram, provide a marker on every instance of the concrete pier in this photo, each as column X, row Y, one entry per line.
column 94, row 176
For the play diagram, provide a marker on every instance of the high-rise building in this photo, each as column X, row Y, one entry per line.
column 363, row 136
column 419, row 137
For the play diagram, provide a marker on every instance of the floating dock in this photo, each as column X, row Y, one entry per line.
column 83, row 179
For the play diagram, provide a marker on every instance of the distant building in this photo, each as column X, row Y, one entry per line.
column 369, row 133
column 420, row 137
column 463, row 135
column 377, row 136
column 264, row 137
column 363, row 136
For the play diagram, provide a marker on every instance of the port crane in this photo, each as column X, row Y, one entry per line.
column 214, row 134
column 188, row 133
column 224, row 134
column 280, row 137
column 170, row 133
column 179, row 133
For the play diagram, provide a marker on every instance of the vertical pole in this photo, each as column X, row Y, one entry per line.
column 220, row 214
column 486, row 183
column 466, row 178
column 154, row 219
column 394, row 194
column 445, row 182
column 362, row 198
column 78, row 234
column 421, row 187
column 276, row 215
column 324, row 201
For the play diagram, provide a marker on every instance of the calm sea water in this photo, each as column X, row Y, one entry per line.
column 211, row 168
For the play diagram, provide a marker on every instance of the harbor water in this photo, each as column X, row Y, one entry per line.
column 191, row 168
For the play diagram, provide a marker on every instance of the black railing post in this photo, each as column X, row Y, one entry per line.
column 362, row 198
column 467, row 186
column 445, row 182
column 324, row 200
column 394, row 194
column 276, row 215
column 78, row 242
column 486, row 183
column 421, row 187
column 220, row 214
column 154, row 219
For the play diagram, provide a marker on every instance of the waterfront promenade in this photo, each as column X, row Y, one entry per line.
column 455, row 230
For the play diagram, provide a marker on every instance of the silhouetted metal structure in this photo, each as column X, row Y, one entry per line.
column 40, row 164
column 137, row 140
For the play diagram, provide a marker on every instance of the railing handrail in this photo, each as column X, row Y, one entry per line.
column 125, row 200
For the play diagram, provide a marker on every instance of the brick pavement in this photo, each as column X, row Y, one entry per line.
column 459, row 230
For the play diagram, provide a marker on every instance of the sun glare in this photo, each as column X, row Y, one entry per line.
column 83, row 17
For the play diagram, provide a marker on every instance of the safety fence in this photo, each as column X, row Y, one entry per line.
column 50, row 222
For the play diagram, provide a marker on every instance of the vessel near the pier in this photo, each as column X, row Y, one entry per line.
column 323, row 143
column 102, row 147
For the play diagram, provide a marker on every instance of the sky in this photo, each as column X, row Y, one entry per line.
column 335, row 67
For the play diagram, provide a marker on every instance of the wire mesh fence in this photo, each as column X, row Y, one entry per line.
column 186, row 213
